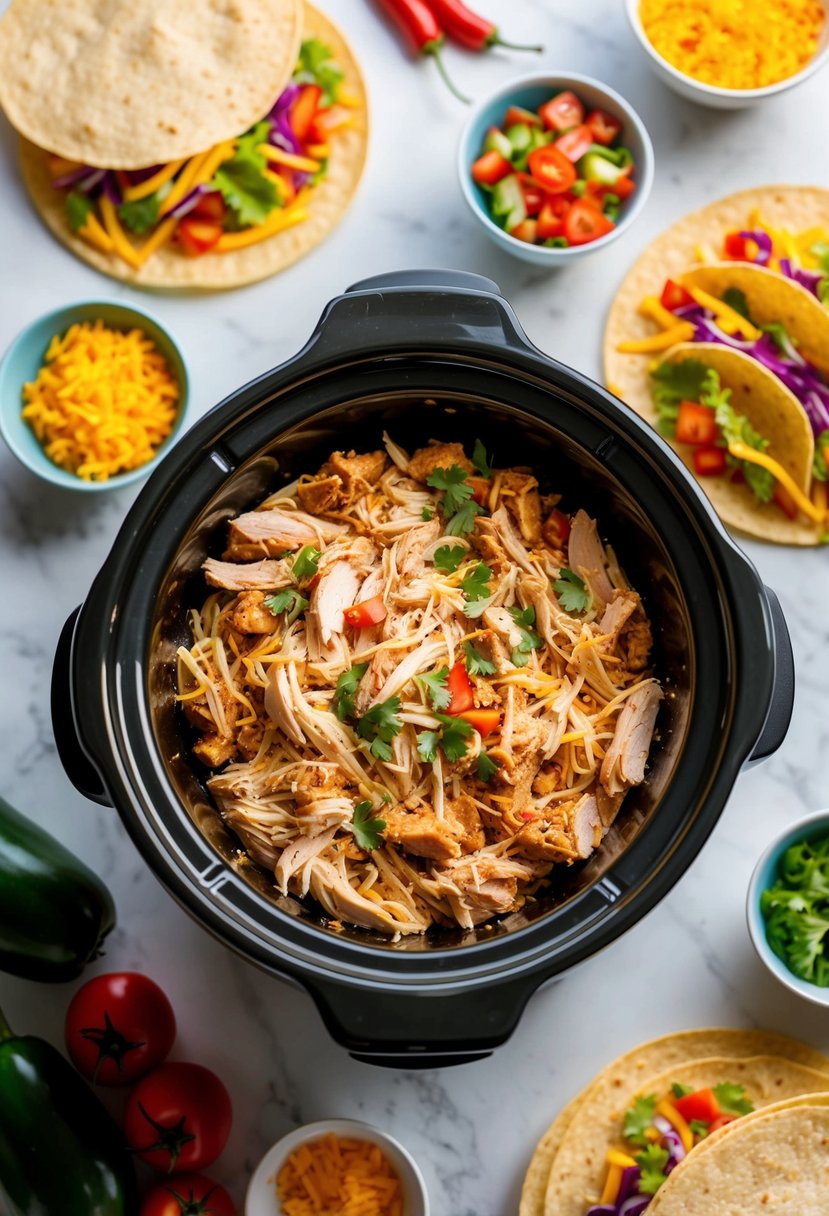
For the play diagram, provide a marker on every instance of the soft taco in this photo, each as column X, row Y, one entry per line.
column 224, row 179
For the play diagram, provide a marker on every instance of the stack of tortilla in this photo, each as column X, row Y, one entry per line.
column 771, row 1157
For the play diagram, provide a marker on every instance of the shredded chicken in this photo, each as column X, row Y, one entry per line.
column 334, row 741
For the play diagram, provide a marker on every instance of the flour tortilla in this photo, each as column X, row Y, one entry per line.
column 773, row 1161
column 125, row 84
column 625, row 1075
column 170, row 268
column 577, row 1171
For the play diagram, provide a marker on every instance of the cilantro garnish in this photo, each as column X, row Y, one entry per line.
column 698, row 1129
column 367, row 830
column 571, row 591
column 435, row 685
column 346, row 690
column 475, row 587
column 241, row 180
column 290, row 600
column 681, row 1091
column 732, row 1099
column 317, row 66
column 306, row 562
column 457, row 506
column 530, row 640
column 476, row 663
column 141, row 214
column 480, row 461
column 454, row 736
column 449, row 557
column 487, row 767
column 736, row 300
column 426, row 514
column 652, row 1163
column 379, row 726
column 78, row 207
column 427, row 746
column 463, row 521
column 639, row 1118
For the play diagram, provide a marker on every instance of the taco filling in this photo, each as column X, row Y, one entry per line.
column 659, row 1131
column 802, row 257
column 234, row 194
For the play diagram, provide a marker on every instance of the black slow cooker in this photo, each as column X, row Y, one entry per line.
column 422, row 355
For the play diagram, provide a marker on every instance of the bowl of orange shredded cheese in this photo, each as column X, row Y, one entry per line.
column 732, row 53
column 92, row 395
column 337, row 1167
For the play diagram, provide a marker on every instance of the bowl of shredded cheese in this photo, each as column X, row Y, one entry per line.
column 92, row 395
column 731, row 53
column 337, row 1166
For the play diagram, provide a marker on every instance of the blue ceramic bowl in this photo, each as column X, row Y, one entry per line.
column 530, row 92
column 764, row 876
column 24, row 358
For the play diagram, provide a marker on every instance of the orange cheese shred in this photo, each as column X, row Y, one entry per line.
column 338, row 1176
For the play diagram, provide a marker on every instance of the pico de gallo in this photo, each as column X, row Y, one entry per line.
column 556, row 176
column 659, row 1131
column 235, row 194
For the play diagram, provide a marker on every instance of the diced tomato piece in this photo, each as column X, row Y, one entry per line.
column 575, row 143
column 304, row 110
column 368, row 613
column 210, row 206
column 785, row 501
column 696, row 424
column 675, row 296
column 709, row 462
column 533, row 193
column 702, row 1104
column 719, row 1122
column 551, row 169
column 198, row 236
column 551, row 216
column 526, row 231
column 584, row 223
column 516, row 114
column 485, row 721
column 623, row 187
column 604, row 126
column 490, row 168
column 736, row 247
column 556, row 528
column 562, row 112
column 461, row 689
column 480, row 489
column 326, row 121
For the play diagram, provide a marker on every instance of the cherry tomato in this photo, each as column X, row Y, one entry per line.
column 709, row 462
column 517, row 114
column 736, row 247
column 118, row 1026
column 604, row 126
column 198, row 236
column 562, row 112
column 575, row 143
column 490, row 168
column 211, row 206
column 178, row 1117
column 187, row 1195
column 484, row 721
column 702, row 1104
column 461, row 689
column 368, row 613
column 551, row 216
column 551, row 169
column 525, row 231
column 304, row 110
column 696, row 424
column 584, row 223
column 675, row 296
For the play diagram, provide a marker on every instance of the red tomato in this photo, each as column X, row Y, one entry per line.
column 702, row 1104
column 516, row 114
column 785, row 501
column 533, row 194
column 696, row 424
column 551, row 170
column 484, row 721
column 709, row 462
column 623, row 187
column 211, row 206
column 584, row 223
column 525, row 231
column 575, row 143
column 187, row 1195
column 198, row 236
column 325, row 122
column 480, row 490
column 562, row 112
column 604, row 126
column 178, row 1117
column 118, row 1026
column 368, row 613
column 461, row 689
column 736, row 247
column 719, row 1122
column 556, row 528
column 551, row 216
column 675, row 296
column 490, row 168
column 304, row 110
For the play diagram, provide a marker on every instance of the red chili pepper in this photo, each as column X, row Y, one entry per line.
column 420, row 25
column 470, row 30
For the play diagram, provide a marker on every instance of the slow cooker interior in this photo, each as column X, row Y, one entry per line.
column 411, row 417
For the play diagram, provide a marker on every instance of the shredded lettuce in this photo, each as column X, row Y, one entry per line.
column 689, row 380
column 316, row 66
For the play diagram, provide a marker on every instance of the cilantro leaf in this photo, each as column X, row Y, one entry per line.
column 453, row 483
column 681, row 1091
column 476, row 663
column 367, row 830
column 820, row 250
column 475, row 587
column 306, row 562
column 78, row 208
column 290, row 600
column 463, row 521
column 698, row 1129
column 737, row 428
column 241, row 180
column 454, row 736
column 426, row 514
column 449, row 557
column 346, row 690
column 427, row 746
column 435, row 685
column 141, row 214
column 487, row 767
column 652, row 1163
column 379, row 726
column 820, row 468
column 524, row 619
column 736, row 300
column 571, row 591
column 638, row 1118
column 317, row 66
column 480, row 461
column 732, row 1099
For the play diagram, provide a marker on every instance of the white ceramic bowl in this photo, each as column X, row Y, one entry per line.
column 711, row 95
column 764, row 876
column 261, row 1194
column 531, row 92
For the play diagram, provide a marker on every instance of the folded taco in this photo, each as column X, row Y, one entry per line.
column 198, row 145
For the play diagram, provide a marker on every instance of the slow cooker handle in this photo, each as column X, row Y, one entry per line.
column 782, row 697
column 79, row 768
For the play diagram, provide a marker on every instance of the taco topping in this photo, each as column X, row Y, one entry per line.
column 235, row 194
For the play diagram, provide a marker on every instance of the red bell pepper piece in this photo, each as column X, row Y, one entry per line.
column 368, row 613
column 211, row 206
column 736, row 247
column 557, row 528
column 460, row 689
column 696, row 424
column 490, row 168
column 484, row 721
column 702, row 1104
column 303, row 110
column 516, row 114
column 709, row 462
column 675, row 296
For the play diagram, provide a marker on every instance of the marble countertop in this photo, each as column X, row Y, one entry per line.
column 689, row 963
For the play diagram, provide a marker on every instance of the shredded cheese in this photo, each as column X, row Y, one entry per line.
column 277, row 157
column 743, row 452
column 251, row 236
column 682, row 332
column 728, row 319
column 103, row 401
column 116, row 233
column 94, row 233
column 338, row 1176
column 151, row 184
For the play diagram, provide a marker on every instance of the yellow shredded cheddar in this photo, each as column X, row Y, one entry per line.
column 338, row 1176
column 734, row 44
column 102, row 402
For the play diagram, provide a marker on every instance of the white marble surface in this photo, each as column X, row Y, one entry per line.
column 690, row 962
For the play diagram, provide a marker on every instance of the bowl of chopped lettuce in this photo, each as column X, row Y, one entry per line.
column 788, row 908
